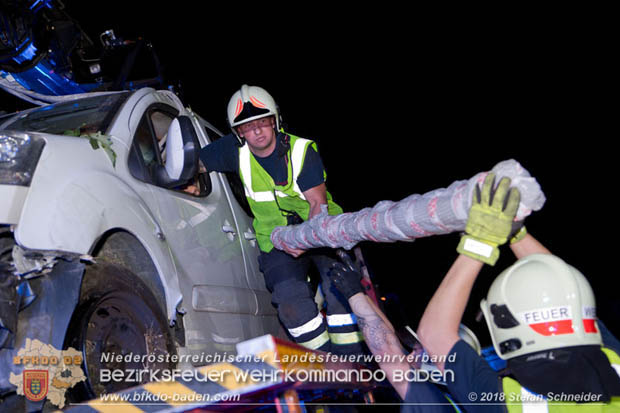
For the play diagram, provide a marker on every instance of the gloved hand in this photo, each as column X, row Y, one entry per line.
column 490, row 220
column 346, row 279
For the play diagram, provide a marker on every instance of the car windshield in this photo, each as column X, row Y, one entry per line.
column 77, row 117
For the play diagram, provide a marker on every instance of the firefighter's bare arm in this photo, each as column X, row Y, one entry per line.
column 316, row 197
column 439, row 326
column 378, row 332
column 489, row 224
column 527, row 246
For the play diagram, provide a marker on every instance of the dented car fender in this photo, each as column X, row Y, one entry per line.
column 68, row 211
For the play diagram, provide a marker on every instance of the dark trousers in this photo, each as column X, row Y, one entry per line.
column 286, row 277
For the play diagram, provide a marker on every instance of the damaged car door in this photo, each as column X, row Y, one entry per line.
column 219, row 305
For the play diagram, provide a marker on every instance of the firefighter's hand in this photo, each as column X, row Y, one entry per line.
column 490, row 220
column 192, row 190
column 346, row 279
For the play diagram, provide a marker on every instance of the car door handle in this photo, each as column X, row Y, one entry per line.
column 229, row 229
column 250, row 236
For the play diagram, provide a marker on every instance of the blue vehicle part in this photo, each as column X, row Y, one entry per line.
column 493, row 359
column 45, row 54
column 39, row 4
column 43, row 79
column 26, row 294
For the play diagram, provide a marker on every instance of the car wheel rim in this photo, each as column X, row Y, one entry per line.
column 121, row 334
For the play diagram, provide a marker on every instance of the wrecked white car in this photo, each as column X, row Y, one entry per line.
column 111, row 254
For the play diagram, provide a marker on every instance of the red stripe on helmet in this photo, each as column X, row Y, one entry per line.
column 257, row 102
column 554, row 328
column 239, row 107
column 589, row 325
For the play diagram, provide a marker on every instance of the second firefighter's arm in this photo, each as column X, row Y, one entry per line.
column 382, row 341
column 488, row 226
column 378, row 332
column 527, row 246
column 439, row 325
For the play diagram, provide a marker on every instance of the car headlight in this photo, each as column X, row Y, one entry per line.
column 19, row 154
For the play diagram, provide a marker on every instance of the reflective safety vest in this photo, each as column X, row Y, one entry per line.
column 519, row 400
column 268, row 201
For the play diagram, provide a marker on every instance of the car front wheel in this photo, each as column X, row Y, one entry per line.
column 121, row 331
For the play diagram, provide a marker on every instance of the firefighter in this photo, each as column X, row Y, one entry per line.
column 540, row 313
column 284, row 181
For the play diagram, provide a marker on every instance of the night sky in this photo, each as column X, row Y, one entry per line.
column 403, row 103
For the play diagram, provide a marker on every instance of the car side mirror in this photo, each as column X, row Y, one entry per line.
column 182, row 148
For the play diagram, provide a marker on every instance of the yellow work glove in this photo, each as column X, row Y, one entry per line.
column 490, row 220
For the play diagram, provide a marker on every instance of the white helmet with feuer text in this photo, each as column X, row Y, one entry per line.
column 540, row 303
column 250, row 103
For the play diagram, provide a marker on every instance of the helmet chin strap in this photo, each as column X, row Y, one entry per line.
column 284, row 145
column 240, row 139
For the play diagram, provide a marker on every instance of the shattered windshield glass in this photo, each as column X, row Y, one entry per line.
column 74, row 118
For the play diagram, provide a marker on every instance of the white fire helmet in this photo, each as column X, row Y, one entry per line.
column 250, row 103
column 540, row 303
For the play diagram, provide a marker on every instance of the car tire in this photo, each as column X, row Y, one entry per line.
column 117, row 326
column 6, row 245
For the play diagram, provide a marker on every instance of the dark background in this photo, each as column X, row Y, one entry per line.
column 404, row 102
